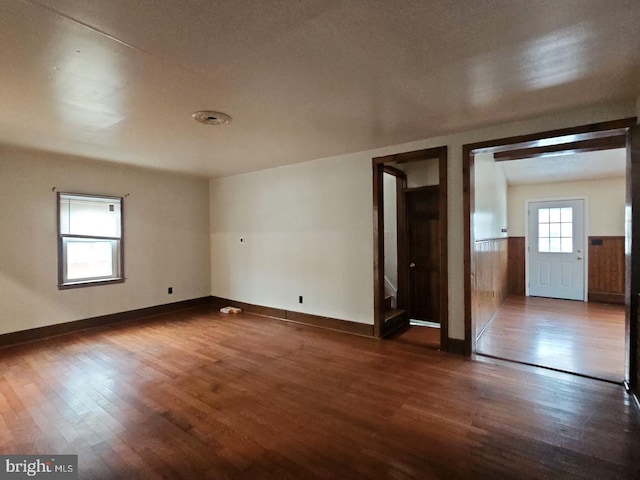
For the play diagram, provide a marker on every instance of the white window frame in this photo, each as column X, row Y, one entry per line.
column 549, row 237
column 117, row 245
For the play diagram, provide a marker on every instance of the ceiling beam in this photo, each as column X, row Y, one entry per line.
column 406, row 157
column 581, row 146
column 583, row 132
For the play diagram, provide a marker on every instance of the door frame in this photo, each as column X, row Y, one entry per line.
column 596, row 136
column 585, row 239
column 378, row 166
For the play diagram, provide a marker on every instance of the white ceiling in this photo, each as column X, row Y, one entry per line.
column 566, row 167
column 118, row 80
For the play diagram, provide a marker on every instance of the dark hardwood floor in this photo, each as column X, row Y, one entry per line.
column 198, row 395
column 421, row 336
column 584, row 338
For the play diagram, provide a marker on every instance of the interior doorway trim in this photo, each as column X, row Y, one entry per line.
column 378, row 164
column 602, row 136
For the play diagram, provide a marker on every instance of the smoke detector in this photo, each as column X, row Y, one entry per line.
column 209, row 117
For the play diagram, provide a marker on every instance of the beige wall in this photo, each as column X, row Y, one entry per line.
column 308, row 232
column 390, row 234
column 490, row 198
column 605, row 203
column 423, row 173
column 310, row 226
column 166, row 238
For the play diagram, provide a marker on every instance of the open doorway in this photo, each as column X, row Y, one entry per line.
column 410, row 243
column 565, row 217
column 543, row 258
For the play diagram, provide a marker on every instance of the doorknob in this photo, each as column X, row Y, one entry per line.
column 412, row 265
column 579, row 257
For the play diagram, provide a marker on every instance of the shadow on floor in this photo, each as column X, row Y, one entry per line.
column 422, row 336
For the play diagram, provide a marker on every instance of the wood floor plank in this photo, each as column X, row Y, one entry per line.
column 199, row 395
column 578, row 337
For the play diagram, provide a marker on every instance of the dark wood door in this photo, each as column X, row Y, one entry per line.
column 424, row 253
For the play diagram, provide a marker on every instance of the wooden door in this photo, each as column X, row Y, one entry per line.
column 424, row 253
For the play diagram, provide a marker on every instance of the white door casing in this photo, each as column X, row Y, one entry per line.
column 556, row 249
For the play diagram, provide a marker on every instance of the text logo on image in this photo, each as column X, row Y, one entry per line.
column 49, row 467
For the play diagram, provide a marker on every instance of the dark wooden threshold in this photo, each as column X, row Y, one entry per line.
column 583, row 375
column 345, row 326
column 601, row 297
column 392, row 314
column 39, row 333
column 455, row 345
column 394, row 321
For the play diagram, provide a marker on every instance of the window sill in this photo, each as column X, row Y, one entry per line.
column 90, row 283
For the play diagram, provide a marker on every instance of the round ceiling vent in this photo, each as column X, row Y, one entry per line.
column 212, row 118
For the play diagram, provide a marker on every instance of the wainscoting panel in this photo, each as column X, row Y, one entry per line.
column 606, row 269
column 517, row 252
column 491, row 279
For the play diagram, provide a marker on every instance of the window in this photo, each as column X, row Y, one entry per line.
column 89, row 240
column 555, row 230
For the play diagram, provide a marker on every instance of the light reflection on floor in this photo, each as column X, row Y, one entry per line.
column 577, row 337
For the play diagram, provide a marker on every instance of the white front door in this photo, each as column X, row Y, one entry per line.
column 556, row 249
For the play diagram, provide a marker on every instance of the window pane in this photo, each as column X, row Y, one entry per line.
column 543, row 215
column 92, row 216
column 543, row 230
column 89, row 259
column 555, row 230
column 543, row 245
column 90, row 236
column 567, row 214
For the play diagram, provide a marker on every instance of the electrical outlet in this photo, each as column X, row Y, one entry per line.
column 170, row 290
column 300, row 299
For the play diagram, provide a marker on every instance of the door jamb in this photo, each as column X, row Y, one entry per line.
column 632, row 261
